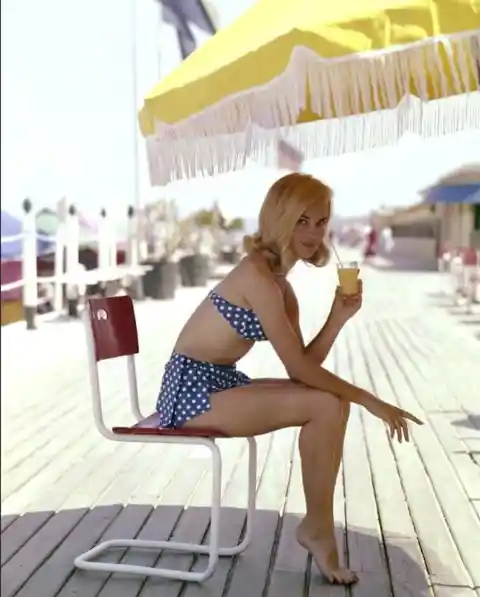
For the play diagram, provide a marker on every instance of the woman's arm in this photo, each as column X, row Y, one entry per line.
column 320, row 346
column 266, row 299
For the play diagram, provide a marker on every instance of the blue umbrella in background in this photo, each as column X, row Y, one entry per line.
column 12, row 242
column 460, row 187
column 458, row 193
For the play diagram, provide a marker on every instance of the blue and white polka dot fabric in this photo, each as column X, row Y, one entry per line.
column 243, row 320
column 187, row 385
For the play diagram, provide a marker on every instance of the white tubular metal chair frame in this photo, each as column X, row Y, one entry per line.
column 212, row 548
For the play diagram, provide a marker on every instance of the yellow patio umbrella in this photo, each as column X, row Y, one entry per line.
column 286, row 62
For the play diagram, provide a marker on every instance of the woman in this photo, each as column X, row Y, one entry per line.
column 202, row 387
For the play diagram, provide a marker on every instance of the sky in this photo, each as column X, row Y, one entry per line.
column 69, row 107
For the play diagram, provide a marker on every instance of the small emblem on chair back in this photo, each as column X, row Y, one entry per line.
column 113, row 326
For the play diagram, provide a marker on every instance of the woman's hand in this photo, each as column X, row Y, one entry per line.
column 345, row 306
column 394, row 417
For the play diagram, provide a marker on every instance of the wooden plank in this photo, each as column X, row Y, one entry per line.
column 33, row 554
column 143, row 468
column 366, row 553
column 290, row 566
column 101, row 477
column 126, row 525
column 30, row 490
column 471, row 445
column 61, row 442
column 449, row 499
column 68, row 481
column 443, row 591
column 440, row 399
column 7, row 520
column 453, row 499
column 460, row 366
column 251, row 571
column 466, row 426
column 476, row 507
column 159, row 525
column 55, row 571
column 20, row 532
column 407, row 568
column 31, row 433
column 468, row 472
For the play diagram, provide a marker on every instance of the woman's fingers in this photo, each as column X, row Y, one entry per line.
column 413, row 418
column 398, row 424
column 399, row 427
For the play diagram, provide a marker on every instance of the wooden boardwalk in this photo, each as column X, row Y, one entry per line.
column 408, row 515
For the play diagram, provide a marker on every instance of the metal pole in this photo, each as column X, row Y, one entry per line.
column 73, row 242
column 29, row 267
column 136, row 185
column 136, row 287
column 159, row 40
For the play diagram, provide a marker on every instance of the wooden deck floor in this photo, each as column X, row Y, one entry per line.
column 408, row 515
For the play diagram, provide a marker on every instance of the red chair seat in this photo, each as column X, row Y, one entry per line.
column 151, row 426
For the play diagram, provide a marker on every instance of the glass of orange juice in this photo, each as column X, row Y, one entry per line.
column 348, row 277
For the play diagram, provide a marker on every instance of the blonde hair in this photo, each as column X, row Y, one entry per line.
column 286, row 201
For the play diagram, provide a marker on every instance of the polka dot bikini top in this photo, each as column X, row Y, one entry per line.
column 243, row 320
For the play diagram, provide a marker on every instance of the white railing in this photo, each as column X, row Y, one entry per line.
column 69, row 274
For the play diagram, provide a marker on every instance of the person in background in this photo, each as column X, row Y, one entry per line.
column 371, row 242
column 387, row 239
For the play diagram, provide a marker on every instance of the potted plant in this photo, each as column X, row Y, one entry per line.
column 233, row 235
column 162, row 235
column 194, row 264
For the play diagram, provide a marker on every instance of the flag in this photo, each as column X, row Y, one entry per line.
column 182, row 14
column 288, row 157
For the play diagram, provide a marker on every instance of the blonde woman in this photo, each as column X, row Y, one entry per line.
column 203, row 388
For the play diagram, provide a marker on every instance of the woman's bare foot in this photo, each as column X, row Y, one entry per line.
column 324, row 552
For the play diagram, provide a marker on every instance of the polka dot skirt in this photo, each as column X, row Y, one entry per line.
column 187, row 385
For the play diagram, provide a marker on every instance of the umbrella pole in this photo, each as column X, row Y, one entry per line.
column 136, row 174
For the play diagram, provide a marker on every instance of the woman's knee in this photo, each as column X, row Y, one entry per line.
column 329, row 408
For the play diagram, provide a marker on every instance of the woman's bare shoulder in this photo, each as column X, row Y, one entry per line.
column 254, row 268
column 252, row 274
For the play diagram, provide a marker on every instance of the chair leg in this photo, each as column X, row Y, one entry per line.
column 251, row 497
column 84, row 562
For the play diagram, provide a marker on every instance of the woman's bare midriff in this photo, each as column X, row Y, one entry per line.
column 208, row 337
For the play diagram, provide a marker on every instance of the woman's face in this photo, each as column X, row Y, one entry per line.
column 310, row 231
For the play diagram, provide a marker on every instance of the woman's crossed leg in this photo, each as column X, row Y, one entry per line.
column 267, row 405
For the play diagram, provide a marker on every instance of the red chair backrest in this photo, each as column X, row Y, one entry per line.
column 113, row 326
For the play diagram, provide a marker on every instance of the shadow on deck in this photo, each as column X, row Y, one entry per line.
column 38, row 550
